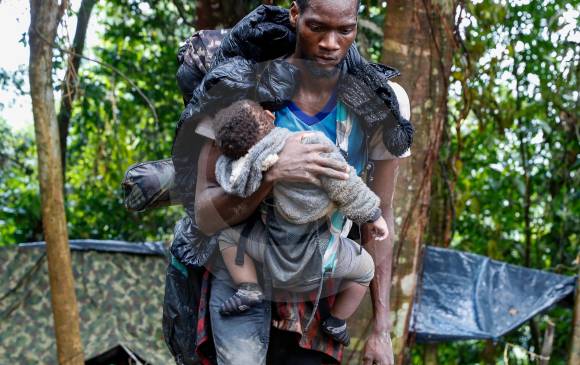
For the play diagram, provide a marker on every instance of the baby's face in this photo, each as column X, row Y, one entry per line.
column 266, row 122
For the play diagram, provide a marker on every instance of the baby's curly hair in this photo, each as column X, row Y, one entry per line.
column 239, row 127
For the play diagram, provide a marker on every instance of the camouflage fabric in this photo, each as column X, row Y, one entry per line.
column 120, row 298
column 199, row 49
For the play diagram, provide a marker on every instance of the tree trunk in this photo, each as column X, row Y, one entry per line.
column 45, row 17
column 211, row 14
column 69, row 84
column 441, row 215
column 419, row 42
column 574, row 358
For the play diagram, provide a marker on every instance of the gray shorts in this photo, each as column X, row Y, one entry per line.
column 352, row 264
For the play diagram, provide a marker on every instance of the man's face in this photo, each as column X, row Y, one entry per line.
column 325, row 31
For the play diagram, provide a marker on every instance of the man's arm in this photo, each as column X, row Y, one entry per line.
column 215, row 209
column 378, row 347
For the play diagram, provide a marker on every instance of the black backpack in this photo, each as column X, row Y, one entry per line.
column 151, row 185
column 183, row 283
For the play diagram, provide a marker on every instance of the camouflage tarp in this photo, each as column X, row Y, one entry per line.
column 120, row 296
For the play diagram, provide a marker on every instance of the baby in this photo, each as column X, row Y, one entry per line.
column 297, row 236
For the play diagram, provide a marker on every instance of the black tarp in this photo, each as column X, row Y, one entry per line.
column 467, row 296
column 140, row 248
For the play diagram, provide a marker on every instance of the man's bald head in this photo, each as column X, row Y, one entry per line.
column 304, row 4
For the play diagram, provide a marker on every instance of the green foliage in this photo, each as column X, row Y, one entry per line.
column 512, row 148
column 20, row 209
column 513, row 100
column 113, row 126
column 521, row 84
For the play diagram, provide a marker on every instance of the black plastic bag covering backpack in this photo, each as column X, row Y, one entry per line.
column 216, row 69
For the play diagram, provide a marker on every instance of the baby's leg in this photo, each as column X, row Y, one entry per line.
column 249, row 292
column 347, row 301
column 356, row 269
column 240, row 274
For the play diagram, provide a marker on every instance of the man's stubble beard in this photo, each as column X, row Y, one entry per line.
column 318, row 72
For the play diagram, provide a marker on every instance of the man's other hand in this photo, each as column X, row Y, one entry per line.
column 299, row 162
column 378, row 350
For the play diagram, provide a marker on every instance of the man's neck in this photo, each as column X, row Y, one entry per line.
column 313, row 83
column 312, row 92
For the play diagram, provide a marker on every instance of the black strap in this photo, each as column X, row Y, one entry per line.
column 324, row 308
column 250, row 223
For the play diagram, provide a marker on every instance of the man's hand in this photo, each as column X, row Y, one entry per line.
column 299, row 162
column 379, row 229
column 378, row 349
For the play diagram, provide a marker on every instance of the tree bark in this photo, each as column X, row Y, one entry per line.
column 574, row 358
column 419, row 42
column 45, row 17
column 212, row 14
column 69, row 84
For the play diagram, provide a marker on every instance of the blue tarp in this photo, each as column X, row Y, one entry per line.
column 467, row 296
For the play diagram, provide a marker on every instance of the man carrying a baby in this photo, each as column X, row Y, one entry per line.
column 301, row 333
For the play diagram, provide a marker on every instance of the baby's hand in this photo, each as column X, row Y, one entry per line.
column 379, row 229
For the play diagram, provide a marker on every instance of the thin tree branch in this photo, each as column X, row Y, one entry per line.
column 112, row 68
column 70, row 82
column 183, row 13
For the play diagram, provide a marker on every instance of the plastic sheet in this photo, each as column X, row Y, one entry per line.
column 119, row 289
column 143, row 248
column 467, row 296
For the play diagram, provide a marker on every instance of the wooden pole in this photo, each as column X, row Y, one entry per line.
column 548, row 343
column 45, row 17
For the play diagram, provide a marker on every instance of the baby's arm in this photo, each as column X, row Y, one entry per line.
column 353, row 197
column 356, row 200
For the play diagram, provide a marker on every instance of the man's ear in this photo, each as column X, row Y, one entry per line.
column 294, row 14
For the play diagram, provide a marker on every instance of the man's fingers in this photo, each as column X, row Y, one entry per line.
column 310, row 177
column 332, row 173
column 298, row 136
column 332, row 163
column 315, row 181
column 319, row 148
